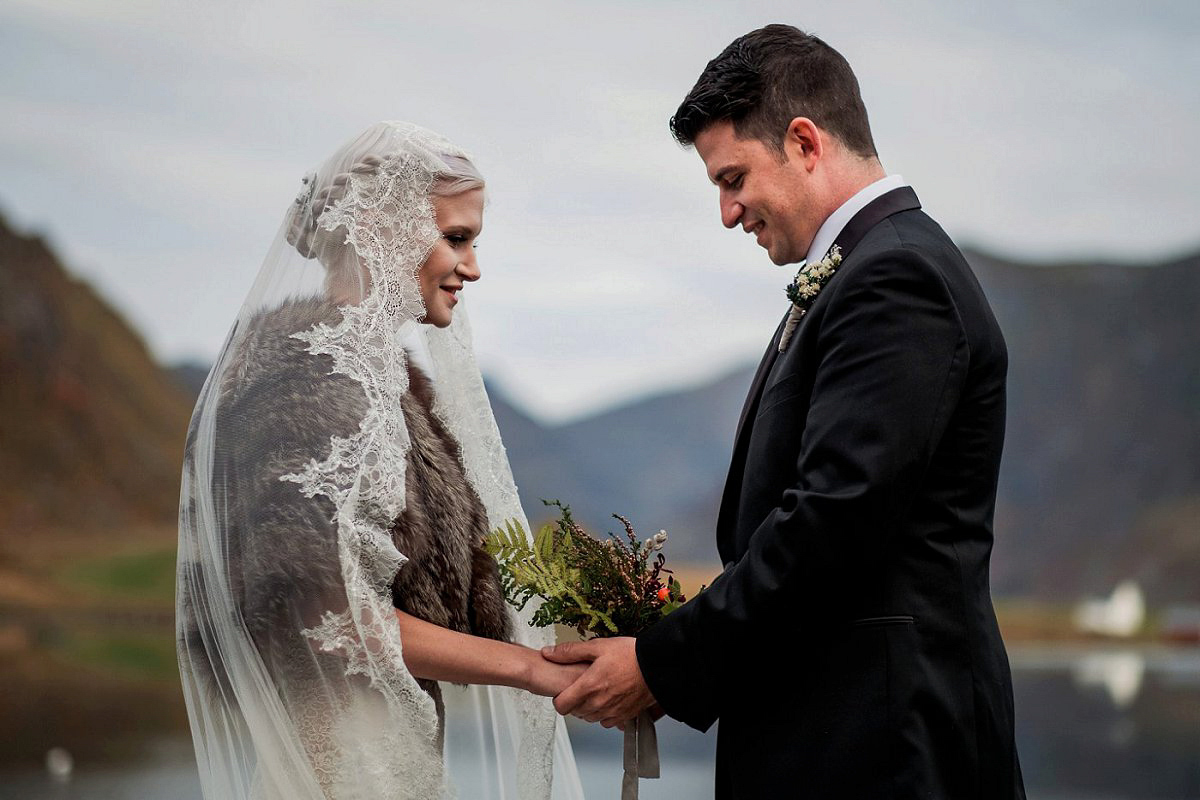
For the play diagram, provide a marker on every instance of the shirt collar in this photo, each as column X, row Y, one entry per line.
column 834, row 223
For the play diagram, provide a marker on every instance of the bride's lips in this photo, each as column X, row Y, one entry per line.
column 451, row 291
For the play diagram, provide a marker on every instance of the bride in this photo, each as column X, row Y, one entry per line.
column 342, row 467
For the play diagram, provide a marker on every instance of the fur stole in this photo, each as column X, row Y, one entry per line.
column 279, row 406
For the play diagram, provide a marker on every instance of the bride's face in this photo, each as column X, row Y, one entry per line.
column 452, row 262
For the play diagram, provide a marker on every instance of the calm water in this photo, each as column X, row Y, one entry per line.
column 1093, row 724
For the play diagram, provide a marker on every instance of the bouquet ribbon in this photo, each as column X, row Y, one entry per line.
column 641, row 755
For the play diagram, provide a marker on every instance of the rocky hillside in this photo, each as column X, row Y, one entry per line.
column 91, row 428
column 1101, row 475
column 660, row 461
column 1100, row 482
column 1103, row 443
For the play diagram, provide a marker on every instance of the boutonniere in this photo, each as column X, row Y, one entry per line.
column 805, row 287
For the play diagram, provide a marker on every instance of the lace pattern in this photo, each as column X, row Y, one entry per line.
column 315, row 701
column 389, row 224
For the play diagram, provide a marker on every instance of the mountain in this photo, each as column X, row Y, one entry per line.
column 1100, row 479
column 661, row 461
column 1104, row 423
column 91, row 428
column 1101, row 475
column 191, row 376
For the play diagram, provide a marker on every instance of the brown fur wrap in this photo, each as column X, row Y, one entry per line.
column 278, row 408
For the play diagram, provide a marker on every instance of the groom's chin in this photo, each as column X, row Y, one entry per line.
column 779, row 258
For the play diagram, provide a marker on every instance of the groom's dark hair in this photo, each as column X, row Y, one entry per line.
column 767, row 78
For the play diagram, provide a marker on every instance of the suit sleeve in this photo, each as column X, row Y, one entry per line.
column 891, row 360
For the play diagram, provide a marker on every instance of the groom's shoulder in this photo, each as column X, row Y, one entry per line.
column 912, row 230
column 912, row 237
column 908, row 253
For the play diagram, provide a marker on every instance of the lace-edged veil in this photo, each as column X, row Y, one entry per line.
column 289, row 650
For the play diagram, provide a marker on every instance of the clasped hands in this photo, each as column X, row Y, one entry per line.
column 611, row 689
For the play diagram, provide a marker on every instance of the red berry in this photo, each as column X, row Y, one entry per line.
column 664, row 594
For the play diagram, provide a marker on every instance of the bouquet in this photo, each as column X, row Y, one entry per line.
column 606, row 587
column 600, row 587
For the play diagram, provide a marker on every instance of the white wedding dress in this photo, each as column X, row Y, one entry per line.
column 291, row 663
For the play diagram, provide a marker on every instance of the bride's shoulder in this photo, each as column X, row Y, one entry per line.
column 295, row 315
column 267, row 356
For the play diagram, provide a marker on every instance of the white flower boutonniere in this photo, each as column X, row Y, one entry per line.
column 805, row 287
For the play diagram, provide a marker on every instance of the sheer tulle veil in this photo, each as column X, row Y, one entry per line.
column 289, row 650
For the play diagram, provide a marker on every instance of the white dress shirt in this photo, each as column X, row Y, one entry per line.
column 833, row 225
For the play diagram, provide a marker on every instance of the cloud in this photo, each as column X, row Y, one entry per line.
column 160, row 145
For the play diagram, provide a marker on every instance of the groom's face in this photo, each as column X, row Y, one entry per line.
column 769, row 196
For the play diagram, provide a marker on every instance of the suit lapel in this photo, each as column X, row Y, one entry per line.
column 760, row 377
column 733, row 481
column 879, row 209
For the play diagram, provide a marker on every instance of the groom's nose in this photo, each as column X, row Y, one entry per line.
column 731, row 211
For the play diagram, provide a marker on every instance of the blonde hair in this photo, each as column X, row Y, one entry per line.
column 344, row 279
column 461, row 175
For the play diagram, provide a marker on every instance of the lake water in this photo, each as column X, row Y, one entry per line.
column 1093, row 724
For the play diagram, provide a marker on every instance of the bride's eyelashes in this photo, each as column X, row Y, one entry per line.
column 458, row 240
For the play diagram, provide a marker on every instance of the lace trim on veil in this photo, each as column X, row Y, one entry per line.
column 388, row 219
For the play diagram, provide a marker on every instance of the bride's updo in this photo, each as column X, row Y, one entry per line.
column 344, row 275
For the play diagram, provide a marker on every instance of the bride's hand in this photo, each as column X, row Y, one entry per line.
column 549, row 679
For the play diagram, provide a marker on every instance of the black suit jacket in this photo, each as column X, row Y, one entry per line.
column 850, row 648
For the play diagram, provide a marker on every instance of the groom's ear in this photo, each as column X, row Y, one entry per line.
column 804, row 141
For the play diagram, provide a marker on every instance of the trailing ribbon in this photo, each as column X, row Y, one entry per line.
column 641, row 755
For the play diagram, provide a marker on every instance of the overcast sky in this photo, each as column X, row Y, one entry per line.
column 159, row 144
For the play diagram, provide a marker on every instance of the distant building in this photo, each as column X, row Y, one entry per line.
column 1122, row 614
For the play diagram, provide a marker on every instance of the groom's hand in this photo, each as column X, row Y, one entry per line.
column 612, row 690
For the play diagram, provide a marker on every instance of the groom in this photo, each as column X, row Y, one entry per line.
column 849, row 648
